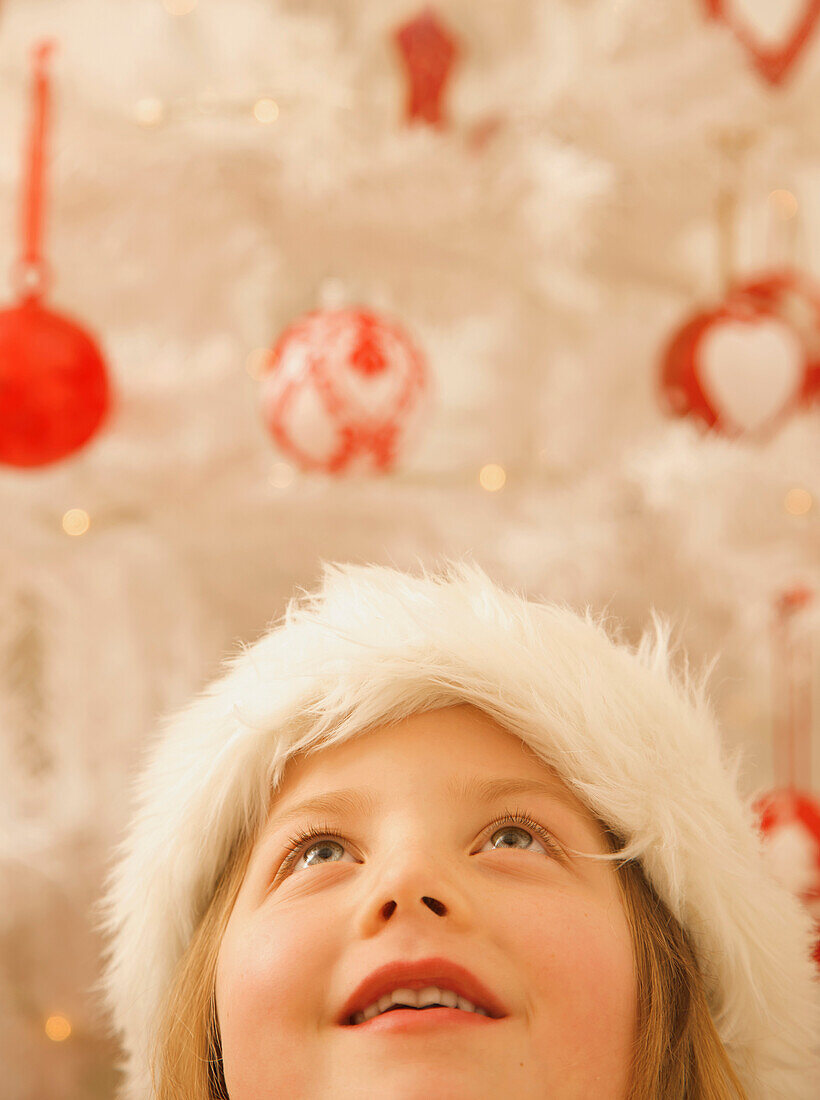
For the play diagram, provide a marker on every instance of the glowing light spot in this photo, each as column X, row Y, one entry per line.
column 76, row 521
column 784, row 203
column 255, row 363
column 266, row 110
column 492, row 477
column 797, row 502
column 281, row 475
column 179, row 7
column 58, row 1028
column 149, row 111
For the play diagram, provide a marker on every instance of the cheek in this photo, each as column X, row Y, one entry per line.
column 271, row 986
column 271, row 970
column 578, row 954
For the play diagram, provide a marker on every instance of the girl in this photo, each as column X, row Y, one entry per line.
column 429, row 838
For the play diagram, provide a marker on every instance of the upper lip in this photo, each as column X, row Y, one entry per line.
column 418, row 974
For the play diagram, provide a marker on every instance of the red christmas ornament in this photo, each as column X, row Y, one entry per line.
column 429, row 53
column 775, row 37
column 53, row 385
column 343, row 390
column 789, row 822
column 788, row 818
column 794, row 297
column 746, row 365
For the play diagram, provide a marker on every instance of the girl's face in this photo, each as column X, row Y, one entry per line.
column 545, row 933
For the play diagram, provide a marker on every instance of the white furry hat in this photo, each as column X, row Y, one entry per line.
column 375, row 645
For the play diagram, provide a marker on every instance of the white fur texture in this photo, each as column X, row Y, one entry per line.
column 637, row 745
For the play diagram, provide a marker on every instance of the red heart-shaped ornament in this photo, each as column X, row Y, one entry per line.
column 773, row 34
column 746, row 365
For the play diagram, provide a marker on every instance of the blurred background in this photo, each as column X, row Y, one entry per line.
column 301, row 280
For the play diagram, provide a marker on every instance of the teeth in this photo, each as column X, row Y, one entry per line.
column 419, row 998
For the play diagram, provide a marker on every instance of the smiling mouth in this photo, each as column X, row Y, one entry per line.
column 407, row 1013
column 393, row 1008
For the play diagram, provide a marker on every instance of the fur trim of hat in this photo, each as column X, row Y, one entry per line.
column 637, row 744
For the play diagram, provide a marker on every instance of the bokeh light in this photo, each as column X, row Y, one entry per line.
column 797, row 502
column 58, row 1028
column 149, row 111
column 784, row 203
column 492, row 477
column 255, row 362
column 281, row 475
column 266, row 110
column 76, row 521
column 179, row 7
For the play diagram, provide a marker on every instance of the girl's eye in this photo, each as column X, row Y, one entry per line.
column 511, row 828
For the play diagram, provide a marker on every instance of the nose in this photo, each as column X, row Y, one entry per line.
column 412, row 879
column 438, row 907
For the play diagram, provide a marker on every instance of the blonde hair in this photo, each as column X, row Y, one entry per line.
column 634, row 741
column 678, row 1054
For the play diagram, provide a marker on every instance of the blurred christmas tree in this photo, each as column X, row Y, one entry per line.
column 541, row 196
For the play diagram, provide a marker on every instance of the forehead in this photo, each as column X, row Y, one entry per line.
column 448, row 738
column 460, row 753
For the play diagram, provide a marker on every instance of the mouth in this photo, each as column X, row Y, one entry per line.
column 408, row 1020
column 452, row 983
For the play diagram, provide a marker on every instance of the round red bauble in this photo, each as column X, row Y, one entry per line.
column 344, row 389
column 748, row 364
column 54, row 389
column 789, row 821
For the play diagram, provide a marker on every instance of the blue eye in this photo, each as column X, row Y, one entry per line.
column 324, row 837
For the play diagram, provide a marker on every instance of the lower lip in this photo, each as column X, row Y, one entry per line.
column 414, row 1019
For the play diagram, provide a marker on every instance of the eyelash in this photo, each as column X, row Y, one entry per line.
column 298, row 843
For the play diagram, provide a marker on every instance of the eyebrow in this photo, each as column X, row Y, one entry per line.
column 362, row 801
